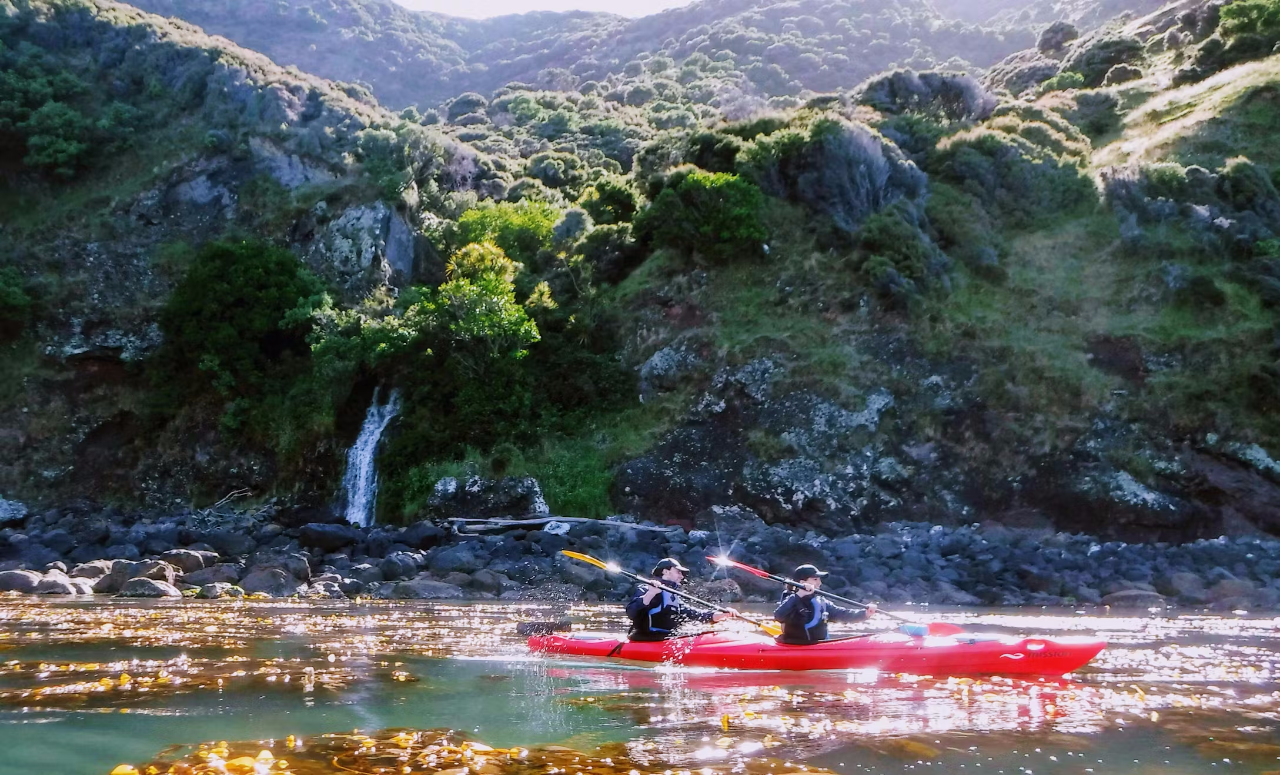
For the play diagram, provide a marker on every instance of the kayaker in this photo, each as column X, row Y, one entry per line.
column 656, row 615
column 804, row 615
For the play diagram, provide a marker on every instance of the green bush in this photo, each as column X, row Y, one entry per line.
column 1166, row 180
column 1093, row 60
column 1251, row 17
column 710, row 215
column 610, row 200
column 914, row 133
column 521, row 229
column 558, row 170
column 1246, row 186
column 895, row 255
column 1018, row 182
column 1063, row 82
column 228, row 321
column 713, row 151
column 51, row 120
column 610, row 251
column 385, row 158
column 963, row 228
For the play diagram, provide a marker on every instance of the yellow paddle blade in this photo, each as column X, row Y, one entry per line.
column 772, row 629
column 585, row 558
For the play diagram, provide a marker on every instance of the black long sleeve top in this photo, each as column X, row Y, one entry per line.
column 660, row 617
column 804, row 619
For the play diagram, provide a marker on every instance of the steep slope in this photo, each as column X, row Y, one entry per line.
column 130, row 141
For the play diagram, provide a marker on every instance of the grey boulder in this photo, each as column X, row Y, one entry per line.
column 144, row 587
column 19, row 581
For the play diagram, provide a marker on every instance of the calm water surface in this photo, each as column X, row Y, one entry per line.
column 87, row 686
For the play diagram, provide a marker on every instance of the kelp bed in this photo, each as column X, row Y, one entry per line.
column 425, row 752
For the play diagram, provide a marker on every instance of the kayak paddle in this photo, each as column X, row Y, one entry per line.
column 935, row 628
column 609, row 567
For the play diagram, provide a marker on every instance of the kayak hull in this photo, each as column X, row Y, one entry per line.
column 890, row 652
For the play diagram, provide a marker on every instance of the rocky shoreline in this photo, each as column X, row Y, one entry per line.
column 292, row 552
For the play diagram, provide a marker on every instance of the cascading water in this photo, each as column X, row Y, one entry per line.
column 360, row 483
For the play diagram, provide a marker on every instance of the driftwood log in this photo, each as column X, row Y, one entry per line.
column 480, row 525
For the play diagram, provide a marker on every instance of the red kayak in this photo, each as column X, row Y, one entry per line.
column 891, row 652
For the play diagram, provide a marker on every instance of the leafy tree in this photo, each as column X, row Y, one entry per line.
column 481, row 259
column 521, row 229
column 229, row 318
column 708, row 214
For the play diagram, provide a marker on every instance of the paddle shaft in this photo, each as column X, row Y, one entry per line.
column 799, row 585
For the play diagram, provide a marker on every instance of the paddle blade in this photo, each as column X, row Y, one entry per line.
column 586, row 558
column 526, row 629
column 942, row 628
column 772, row 629
column 725, row 561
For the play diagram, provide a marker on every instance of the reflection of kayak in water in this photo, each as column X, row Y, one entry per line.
column 713, row 681
column 892, row 652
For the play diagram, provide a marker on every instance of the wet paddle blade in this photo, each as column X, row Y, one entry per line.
column 585, row 558
column 942, row 628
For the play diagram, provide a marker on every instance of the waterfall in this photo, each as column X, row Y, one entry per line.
column 360, row 483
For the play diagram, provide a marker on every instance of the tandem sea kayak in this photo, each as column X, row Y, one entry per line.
column 893, row 652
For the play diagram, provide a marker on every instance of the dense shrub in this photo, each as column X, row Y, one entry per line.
column 713, row 151
column 1251, row 17
column 963, row 228
column 710, row 215
column 610, row 251
column 1246, row 186
column 385, row 157
column 610, row 200
column 836, row 167
column 229, row 318
column 950, row 96
column 895, row 255
column 558, row 170
column 915, row 134
column 1063, row 81
column 1019, row 182
column 469, row 102
column 1094, row 58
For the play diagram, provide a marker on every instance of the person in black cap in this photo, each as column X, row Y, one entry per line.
column 656, row 615
column 804, row 615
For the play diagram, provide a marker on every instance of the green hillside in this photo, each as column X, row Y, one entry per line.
column 658, row 283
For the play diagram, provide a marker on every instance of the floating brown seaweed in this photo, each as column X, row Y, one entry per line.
column 422, row 752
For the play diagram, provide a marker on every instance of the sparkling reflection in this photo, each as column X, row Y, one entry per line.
column 1170, row 694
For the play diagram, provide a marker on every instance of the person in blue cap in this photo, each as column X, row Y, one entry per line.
column 804, row 615
column 656, row 615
